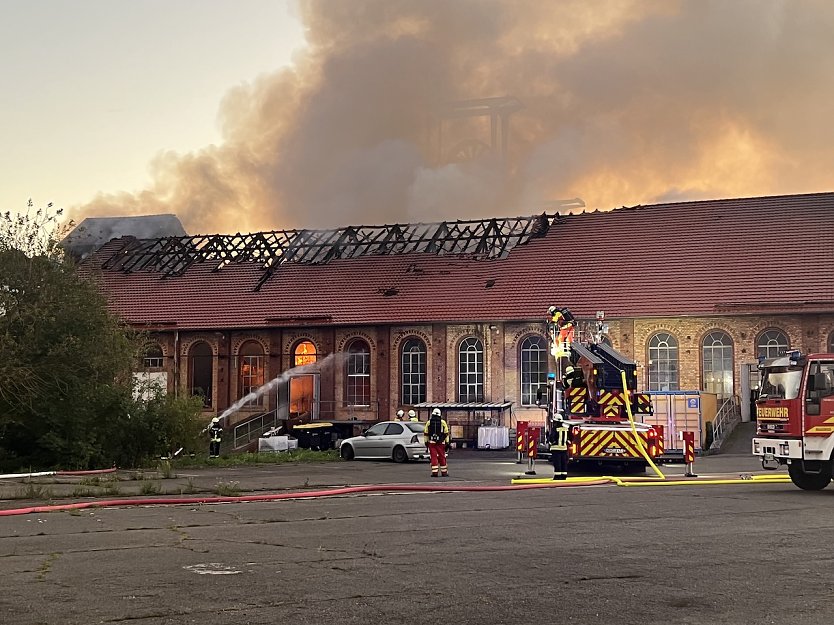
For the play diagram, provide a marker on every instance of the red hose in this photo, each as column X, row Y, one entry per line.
column 348, row 490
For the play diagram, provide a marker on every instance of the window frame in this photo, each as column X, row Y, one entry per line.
column 770, row 345
column 300, row 360
column 726, row 349
column 470, row 391
column 208, row 397
column 358, row 378
column 529, row 387
column 653, row 372
column 409, row 379
column 154, row 358
column 248, row 382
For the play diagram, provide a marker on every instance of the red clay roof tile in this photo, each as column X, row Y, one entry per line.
column 736, row 256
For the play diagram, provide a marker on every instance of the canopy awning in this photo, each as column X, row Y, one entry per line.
column 465, row 405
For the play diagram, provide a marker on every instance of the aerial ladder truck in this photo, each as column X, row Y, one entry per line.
column 588, row 390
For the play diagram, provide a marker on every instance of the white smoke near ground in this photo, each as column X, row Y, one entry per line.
column 624, row 102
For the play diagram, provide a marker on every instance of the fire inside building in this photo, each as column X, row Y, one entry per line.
column 452, row 314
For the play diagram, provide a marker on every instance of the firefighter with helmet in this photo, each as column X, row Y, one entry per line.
column 573, row 377
column 215, row 432
column 436, row 434
column 412, row 416
column 558, row 439
column 400, row 415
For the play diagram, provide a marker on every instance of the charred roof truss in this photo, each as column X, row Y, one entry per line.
column 172, row 256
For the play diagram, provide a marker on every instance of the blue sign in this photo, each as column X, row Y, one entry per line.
column 692, row 402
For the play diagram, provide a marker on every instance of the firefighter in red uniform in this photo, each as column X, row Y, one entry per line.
column 436, row 434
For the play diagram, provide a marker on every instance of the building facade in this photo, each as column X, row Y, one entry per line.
column 360, row 322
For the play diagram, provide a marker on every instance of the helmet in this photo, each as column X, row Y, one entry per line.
column 216, row 420
column 400, row 413
column 411, row 413
column 568, row 370
column 558, row 418
column 435, row 412
column 552, row 310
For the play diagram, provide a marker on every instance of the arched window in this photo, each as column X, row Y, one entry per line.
column 153, row 358
column 305, row 353
column 251, row 371
column 413, row 371
column 772, row 343
column 201, row 366
column 358, row 374
column 663, row 362
column 471, row 370
column 533, row 368
column 718, row 363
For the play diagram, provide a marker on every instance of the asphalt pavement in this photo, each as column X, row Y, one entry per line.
column 751, row 553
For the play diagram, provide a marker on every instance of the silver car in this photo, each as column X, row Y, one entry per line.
column 398, row 440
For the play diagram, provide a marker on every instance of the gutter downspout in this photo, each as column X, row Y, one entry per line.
column 177, row 363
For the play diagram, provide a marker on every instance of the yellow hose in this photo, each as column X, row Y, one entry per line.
column 641, row 444
column 653, row 481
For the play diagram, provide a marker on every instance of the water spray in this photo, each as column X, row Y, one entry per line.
column 286, row 375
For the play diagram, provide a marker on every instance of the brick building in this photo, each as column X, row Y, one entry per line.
column 453, row 312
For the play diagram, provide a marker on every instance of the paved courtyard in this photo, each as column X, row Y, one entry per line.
column 707, row 554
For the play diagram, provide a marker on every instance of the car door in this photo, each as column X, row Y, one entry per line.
column 393, row 435
column 369, row 443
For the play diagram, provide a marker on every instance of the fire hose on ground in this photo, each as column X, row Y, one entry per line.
column 517, row 485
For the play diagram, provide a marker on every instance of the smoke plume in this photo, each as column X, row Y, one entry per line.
column 622, row 103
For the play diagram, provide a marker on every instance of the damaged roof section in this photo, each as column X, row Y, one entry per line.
column 486, row 239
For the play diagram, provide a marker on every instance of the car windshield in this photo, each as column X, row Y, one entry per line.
column 415, row 427
column 781, row 383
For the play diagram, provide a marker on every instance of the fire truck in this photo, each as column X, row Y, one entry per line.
column 795, row 417
column 594, row 401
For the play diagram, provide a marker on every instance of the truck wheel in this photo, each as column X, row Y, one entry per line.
column 809, row 481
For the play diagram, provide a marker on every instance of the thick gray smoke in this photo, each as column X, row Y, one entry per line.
column 623, row 103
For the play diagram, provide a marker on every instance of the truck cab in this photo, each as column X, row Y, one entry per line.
column 795, row 417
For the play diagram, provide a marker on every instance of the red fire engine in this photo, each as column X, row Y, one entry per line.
column 587, row 389
column 795, row 417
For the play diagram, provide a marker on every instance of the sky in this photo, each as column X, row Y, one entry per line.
column 93, row 90
column 267, row 114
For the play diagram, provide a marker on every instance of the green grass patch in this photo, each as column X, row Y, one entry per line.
column 236, row 460
column 33, row 491
column 227, row 489
column 84, row 491
column 150, row 488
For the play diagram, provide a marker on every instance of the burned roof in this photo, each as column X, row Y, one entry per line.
column 484, row 239
column 765, row 255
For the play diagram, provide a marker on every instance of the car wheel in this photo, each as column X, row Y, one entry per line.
column 346, row 452
column 400, row 454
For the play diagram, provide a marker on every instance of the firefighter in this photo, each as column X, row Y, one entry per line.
column 573, row 377
column 558, row 442
column 400, row 415
column 412, row 416
column 436, row 434
column 215, row 433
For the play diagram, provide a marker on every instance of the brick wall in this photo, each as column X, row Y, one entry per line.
column 501, row 341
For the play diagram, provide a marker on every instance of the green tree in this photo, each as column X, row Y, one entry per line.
column 66, row 384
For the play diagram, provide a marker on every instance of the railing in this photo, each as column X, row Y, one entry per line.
column 726, row 420
column 251, row 429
